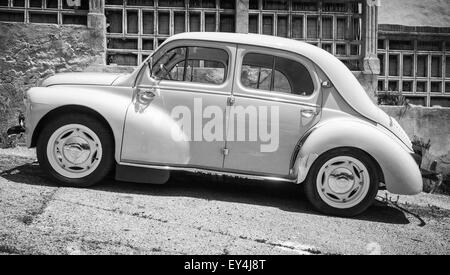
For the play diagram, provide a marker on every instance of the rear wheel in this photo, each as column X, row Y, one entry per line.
column 76, row 150
column 342, row 182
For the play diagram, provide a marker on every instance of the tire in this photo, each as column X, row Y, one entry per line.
column 342, row 182
column 76, row 150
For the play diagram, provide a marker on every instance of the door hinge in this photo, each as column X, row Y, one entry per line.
column 230, row 100
column 225, row 151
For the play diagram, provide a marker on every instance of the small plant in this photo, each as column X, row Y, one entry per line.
column 7, row 141
column 419, row 145
column 391, row 98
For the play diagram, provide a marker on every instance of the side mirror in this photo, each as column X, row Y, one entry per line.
column 327, row 84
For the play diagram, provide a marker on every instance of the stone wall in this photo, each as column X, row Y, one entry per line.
column 427, row 123
column 29, row 52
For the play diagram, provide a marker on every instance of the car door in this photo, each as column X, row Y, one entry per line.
column 279, row 93
column 164, row 124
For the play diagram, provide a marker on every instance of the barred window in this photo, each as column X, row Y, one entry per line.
column 136, row 27
column 334, row 26
column 418, row 69
column 44, row 11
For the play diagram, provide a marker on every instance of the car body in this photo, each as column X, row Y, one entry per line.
column 322, row 111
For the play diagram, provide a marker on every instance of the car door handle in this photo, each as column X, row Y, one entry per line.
column 308, row 113
column 146, row 94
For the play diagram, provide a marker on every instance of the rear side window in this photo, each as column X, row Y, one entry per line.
column 274, row 73
column 193, row 64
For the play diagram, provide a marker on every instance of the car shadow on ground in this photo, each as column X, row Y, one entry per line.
column 285, row 196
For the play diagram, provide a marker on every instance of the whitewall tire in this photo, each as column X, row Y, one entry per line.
column 342, row 182
column 76, row 150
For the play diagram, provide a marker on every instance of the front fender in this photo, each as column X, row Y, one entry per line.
column 110, row 102
column 400, row 171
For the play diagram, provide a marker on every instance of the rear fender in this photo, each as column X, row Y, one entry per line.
column 400, row 171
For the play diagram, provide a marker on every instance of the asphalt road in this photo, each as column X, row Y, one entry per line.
column 202, row 215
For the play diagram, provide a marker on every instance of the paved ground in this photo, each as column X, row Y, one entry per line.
column 199, row 215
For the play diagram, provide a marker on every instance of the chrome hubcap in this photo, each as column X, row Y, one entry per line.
column 74, row 151
column 343, row 182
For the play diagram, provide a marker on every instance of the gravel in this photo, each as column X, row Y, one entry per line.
column 195, row 214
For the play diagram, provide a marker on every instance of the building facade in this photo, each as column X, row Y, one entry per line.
column 395, row 46
column 134, row 28
column 414, row 50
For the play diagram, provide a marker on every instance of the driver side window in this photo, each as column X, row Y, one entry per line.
column 193, row 64
column 170, row 59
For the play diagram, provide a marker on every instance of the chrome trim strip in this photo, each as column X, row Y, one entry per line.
column 195, row 90
column 187, row 90
column 207, row 171
column 277, row 99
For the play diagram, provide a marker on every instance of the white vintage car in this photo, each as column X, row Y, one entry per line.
column 242, row 105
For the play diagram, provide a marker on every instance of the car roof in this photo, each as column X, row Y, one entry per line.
column 342, row 78
column 247, row 39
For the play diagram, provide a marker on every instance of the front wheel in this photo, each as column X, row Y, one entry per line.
column 342, row 182
column 76, row 150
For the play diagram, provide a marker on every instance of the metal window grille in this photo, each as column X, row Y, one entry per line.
column 419, row 69
column 136, row 27
column 334, row 26
column 44, row 11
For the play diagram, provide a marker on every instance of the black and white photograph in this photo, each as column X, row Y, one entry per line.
column 226, row 132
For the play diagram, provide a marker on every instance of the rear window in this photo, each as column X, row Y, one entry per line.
column 274, row 73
